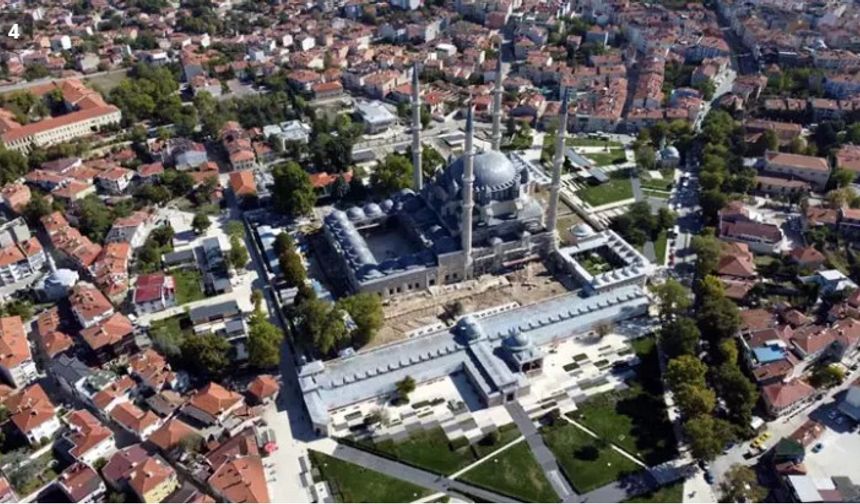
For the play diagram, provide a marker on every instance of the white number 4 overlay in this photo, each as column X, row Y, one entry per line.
column 14, row 32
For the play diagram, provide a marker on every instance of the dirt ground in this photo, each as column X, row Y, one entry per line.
column 407, row 313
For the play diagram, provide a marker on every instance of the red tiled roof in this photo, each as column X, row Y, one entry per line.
column 215, row 399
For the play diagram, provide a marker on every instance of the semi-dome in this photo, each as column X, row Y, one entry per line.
column 492, row 170
column 518, row 341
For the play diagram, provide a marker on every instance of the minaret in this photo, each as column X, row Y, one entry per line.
column 557, row 162
column 468, row 204
column 416, row 130
column 497, row 105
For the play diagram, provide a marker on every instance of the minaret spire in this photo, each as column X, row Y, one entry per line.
column 418, row 177
column 497, row 105
column 468, row 204
column 558, row 161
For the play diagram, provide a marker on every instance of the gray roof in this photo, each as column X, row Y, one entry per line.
column 69, row 369
column 179, row 257
column 471, row 345
column 207, row 312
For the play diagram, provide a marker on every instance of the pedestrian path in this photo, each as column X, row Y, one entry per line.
column 542, row 454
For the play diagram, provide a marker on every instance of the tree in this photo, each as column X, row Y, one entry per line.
column 35, row 209
column 321, row 325
column 366, row 311
column 646, row 157
column 257, row 299
column 292, row 268
column 674, row 299
column 827, row 375
column 685, row 370
column 707, row 88
column 94, row 218
column 200, row 223
column 13, row 165
column 207, row 353
column 235, row 228
column 392, row 174
column 840, row 177
column 718, row 318
column 707, row 249
column 740, row 484
column 405, row 387
column 680, row 337
column 238, row 255
column 738, row 392
column 293, row 193
column 712, row 202
column 340, row 188
column 707, row 436
column 18, row 308
column 264, row 342
column 665, row 218
column 695, row 400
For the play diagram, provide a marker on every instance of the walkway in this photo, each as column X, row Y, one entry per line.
column 404, row 472
column 544, row 456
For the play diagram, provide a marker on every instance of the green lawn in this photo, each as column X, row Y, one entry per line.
column 662, row 184
column 431, row 450
column 587, row 462
column 593, row 142
column 670, row 493
column 614, row 156
column 660, row 246
column 353, row 483
column 189, row 286
column 513, row 472
column 616, row 189
column 633, row 419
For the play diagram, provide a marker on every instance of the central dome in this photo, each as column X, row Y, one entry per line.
column 492, row 170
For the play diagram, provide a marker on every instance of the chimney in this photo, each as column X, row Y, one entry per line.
column 468, row 205
column 416, row 130
column 497, row 105
column 558, row 161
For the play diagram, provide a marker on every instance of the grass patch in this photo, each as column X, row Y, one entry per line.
column 614, row 156
column 43, row 469
column 661, row 184
column 634, row 420
column 593, row 142
column 660, row 246
column 513, row 472
column 669, row 493
column 189, row 286
column 431, row 450
column 655, row 194
column 571, row 366
column 505, row 434
column 615, row 189
column 587, row 462
column 353, row 483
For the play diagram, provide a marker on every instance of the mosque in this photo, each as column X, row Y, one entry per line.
column 477, row 215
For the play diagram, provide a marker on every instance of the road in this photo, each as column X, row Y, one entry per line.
column 28, row 84
column 286, row 416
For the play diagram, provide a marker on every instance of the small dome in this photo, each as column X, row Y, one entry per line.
column 518, row 341
column 372, row 210
column 582, row 230
column 387, row 205
column 470, row 328
column 355, row 213
column 495, row 241
column 670, row 152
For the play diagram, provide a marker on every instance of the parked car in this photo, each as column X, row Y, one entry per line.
column 817, row 448
column 709, row 477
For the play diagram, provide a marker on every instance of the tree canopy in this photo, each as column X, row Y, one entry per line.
column 293, row 192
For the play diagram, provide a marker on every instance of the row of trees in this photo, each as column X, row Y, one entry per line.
column 699, row 379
